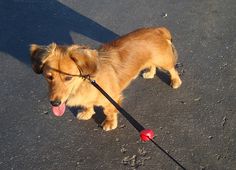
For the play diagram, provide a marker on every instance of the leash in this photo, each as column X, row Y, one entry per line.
column 145, row 134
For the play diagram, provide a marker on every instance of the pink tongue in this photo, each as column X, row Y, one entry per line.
column 59, row 110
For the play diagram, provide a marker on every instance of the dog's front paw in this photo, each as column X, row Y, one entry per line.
column 148, row 75
column 85, row 115
column 109, row 125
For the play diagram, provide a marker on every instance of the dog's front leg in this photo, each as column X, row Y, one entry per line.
column 86, row 114
column 111, row 118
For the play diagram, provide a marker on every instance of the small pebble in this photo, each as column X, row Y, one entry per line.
column 123, row 149
column 219, row 101
column 197, row 99
column 133, row 161
column 140, row 162
column 218, row 157
column 178, row 65
column 210, row 137
column 142, row 151
column 202, row 168
column 225, row 64
column 122, row 126
column 125, row 160
column 164, row 15
column 224, row 121
column 182, row 72
column 45, row 112
column 79, row 149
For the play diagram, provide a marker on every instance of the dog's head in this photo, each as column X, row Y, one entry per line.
column 62, row 67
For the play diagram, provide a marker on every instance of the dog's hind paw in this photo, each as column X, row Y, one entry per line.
column 176, row 83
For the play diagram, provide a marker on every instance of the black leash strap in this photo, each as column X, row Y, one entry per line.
column 131, row 120
column 173, row 159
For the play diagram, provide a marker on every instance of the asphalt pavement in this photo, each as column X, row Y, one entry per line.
column 196, row 124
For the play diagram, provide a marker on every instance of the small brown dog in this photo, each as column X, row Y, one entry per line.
column 114, row 65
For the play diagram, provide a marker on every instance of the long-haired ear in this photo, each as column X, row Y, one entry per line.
column 86, row 60
column 38, row 55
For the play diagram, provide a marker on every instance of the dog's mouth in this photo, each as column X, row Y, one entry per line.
column 59, row 110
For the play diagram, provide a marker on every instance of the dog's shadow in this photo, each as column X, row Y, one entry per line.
column 24, row 22
column 98, row 117
column 164, row 76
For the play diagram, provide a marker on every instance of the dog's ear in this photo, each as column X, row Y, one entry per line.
column 86, row 60
column 38, row 56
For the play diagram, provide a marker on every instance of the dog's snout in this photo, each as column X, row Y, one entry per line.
column 55, row 102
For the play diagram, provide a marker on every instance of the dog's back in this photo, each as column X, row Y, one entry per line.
column 138, row 50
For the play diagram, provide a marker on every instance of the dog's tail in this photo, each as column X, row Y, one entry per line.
column 174, row 53
column 167, row 35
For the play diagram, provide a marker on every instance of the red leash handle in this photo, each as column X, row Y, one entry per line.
column 146, row 135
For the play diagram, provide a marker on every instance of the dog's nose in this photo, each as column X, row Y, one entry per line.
column 55, row 102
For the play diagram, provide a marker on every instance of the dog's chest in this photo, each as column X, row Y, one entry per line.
column 82, row 99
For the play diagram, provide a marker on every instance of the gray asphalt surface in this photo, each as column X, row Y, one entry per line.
column 196, row 124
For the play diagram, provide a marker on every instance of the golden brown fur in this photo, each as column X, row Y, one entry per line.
column 114, row 65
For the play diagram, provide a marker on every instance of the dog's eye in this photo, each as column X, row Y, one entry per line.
column 68, row 78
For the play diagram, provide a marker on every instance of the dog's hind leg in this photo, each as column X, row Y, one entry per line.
column 175, row 79
column 167, row 62
column 174, row 75
column 150, row 73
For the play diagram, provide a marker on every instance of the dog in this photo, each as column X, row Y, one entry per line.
column 114, row 65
